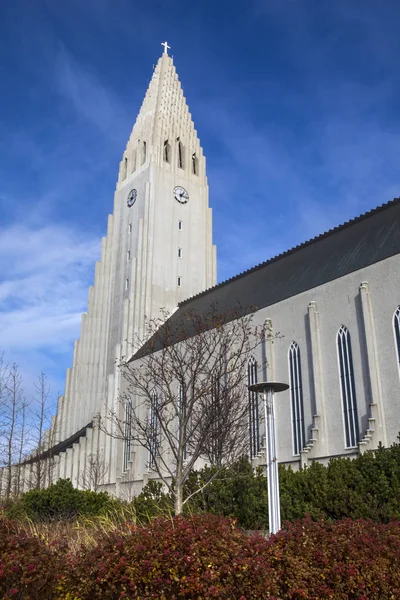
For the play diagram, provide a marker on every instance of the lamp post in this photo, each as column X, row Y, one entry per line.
column 268, row 389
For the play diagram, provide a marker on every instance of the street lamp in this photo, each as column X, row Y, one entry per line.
column 268, row 389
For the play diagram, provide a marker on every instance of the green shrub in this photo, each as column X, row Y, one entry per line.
column 152, row 502
column 237, row 491
column 61, row 501
column 367, row 487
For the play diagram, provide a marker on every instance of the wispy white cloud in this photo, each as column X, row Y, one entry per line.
column 92, row 100
column 46, row 272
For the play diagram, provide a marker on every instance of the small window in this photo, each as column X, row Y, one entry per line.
column 133, row 168
column 195, row 164
column 128, row 255
column 167, row 151
column 124, row 168
column 180, row 155
column 179, row 252
column 127, row 284
column 179, row 281
column 130, row 227
column 180, row 225
column 144, row 153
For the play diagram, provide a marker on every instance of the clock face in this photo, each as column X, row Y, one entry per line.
column 181, row 195
column 131, row 198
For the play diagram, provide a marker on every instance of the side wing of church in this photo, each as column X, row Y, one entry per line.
column 334, row 300
column 334, row 304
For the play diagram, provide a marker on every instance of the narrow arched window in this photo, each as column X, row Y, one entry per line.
column 195, row 164
column 182, row 407
column 127, row 435
column 124, row 167
column 167, row 151
column 396, row 329
column 154, row 433
column 144, row 153
column 254, row 426
column 296, row 397
column 180, row 155
column 347, row 388
column 133, row 167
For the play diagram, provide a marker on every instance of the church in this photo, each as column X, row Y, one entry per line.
column 335, row 300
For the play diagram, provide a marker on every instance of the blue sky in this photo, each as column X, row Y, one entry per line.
column 296, row 104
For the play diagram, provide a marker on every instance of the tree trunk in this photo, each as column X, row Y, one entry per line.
column 178, row 498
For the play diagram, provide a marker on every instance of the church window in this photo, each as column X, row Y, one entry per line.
column 179, row 252
column 180, row 225
column 144, row 153
column 254, row 424
column 154, row 430
column 128, row 255
column 167, row 151
column 396, row 327
column 296, row 396
column 130, row 227
column 133, row 168
column 124, row 168
column 127, row 435
column 195, row 164
column 127, row 284
column 347, row 387
column 182, row 417
column 180, row 155
column 179, row 281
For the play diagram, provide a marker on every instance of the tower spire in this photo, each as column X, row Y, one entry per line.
column 164, row 131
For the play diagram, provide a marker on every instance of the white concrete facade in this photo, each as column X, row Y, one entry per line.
column 364, row 301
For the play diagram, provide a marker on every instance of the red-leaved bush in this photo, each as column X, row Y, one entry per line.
column 205, row 557
column 29, row 567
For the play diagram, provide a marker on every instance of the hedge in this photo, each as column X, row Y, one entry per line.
column 205, row 557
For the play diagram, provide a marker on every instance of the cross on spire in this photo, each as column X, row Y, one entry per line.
column 166, row 47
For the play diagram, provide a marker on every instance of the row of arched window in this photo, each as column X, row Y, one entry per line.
column 140, row 154
column 347, row 390
column 180, row 156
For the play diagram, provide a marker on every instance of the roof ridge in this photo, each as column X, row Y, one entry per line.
column 324, row 235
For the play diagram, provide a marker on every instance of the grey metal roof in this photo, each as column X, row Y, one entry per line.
column 60, row 447
column 361, row 242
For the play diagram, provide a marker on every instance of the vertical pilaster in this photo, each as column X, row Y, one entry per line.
column 269, row 339
column 318, row 379
column 377, row 411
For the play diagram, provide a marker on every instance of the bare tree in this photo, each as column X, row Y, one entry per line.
column 41, row 415
column 94, row 473
column 186, row 393
column 21, row 441
column 4, row 377
column 13, row 408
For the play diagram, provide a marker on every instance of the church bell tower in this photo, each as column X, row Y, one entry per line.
column 158, row 251
column 163, row 250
